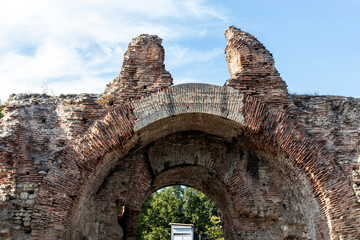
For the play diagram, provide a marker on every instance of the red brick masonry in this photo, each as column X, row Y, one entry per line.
column 277, row 166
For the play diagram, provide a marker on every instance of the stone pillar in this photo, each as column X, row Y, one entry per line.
column 143, row 71
column 252, row 69
column 132, row 222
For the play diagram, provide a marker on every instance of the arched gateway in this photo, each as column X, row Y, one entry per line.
column 248, row 146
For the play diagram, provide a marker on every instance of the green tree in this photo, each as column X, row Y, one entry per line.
column 215, row 231
column 178, row 204
column 198, row 210
column 158, row 211
column 1, row 110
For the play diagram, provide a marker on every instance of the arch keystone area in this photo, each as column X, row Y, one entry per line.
column 70, row 162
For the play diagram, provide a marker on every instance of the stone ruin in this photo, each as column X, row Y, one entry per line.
column 276, row 165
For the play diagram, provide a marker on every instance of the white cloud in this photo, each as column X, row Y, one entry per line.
column 179, row 55
column 200, row 10
column 75, row 46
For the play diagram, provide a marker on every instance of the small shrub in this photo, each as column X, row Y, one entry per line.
column 1, row 110
column 107, row 100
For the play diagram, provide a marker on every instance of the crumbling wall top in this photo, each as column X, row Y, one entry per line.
column 143, row 70
column 246, row 54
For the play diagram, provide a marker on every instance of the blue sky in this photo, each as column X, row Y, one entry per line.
column 62, row 46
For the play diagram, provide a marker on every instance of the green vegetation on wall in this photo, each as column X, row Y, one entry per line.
column 1, row 110
column 178, row 204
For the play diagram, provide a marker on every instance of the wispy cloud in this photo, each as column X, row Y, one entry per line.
column 179, row 55
column 75, row 46
column 199, row 9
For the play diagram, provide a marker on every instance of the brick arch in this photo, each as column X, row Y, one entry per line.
column 87, row 162
column 216, row 191
column 172, row 177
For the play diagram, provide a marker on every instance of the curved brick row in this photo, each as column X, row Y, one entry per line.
column 80, row 173
column 278, row 130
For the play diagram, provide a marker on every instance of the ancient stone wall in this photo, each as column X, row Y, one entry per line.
column 335, row 122
column 277, row 166
column 35, row 130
